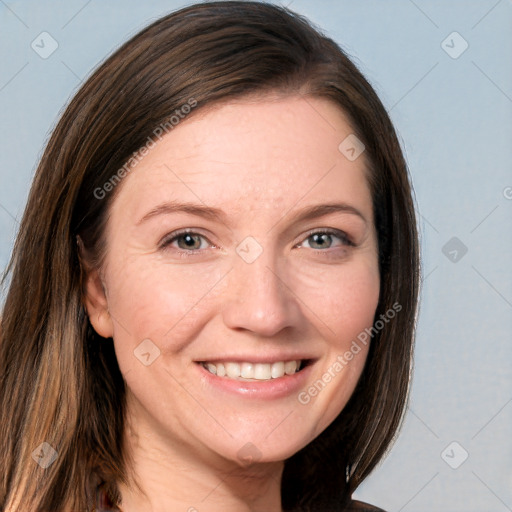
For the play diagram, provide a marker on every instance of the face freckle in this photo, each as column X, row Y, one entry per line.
column 258, row 294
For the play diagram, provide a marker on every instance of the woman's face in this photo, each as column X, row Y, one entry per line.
column 279, row 264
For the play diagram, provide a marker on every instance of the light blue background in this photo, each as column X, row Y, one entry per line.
column 454, row 117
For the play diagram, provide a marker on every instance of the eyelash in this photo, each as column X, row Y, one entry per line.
column 343, row 237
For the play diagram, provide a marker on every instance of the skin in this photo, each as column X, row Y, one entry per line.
column 262, row 161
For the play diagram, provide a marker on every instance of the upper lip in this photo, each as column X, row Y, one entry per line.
column 257, row 359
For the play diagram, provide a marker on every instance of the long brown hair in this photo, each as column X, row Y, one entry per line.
column 60, row 383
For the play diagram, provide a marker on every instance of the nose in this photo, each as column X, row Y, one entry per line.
column 260, row 298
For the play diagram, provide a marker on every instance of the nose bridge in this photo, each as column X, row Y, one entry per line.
column 259, row 299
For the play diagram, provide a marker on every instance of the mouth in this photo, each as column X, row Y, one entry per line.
column 255, row 372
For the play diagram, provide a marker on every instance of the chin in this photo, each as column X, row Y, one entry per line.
column 247, row 451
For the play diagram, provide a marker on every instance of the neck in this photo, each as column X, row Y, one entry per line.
column 165, row 475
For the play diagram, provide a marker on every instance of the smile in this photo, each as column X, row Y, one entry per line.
column 246, row 371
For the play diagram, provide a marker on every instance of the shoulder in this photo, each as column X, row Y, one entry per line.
column 359, row 506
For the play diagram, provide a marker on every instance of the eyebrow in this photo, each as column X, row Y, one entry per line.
column 216, row 214
column 207, row 212
column 315, row 211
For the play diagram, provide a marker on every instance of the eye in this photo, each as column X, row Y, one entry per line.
column 326, row 239
column 187, row 241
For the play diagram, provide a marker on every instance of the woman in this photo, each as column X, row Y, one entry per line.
column 213, row 290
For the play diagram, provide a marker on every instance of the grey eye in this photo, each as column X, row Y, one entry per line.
column 189, row 241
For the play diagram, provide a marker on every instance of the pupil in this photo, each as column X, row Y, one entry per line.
column 318, row 238
column 189, row 240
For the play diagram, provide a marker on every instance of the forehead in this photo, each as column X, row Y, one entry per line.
column 259, row 154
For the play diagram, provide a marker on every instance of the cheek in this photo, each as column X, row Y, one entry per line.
column 344, row 301
column 152, row 300
column 343, row 298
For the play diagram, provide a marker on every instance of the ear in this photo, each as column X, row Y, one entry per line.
column 97, row 305
column 95, row 296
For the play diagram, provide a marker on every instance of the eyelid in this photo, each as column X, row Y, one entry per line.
column 168, row 239
column 342, row 235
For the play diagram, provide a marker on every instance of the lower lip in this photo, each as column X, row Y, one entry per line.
column 265, row 389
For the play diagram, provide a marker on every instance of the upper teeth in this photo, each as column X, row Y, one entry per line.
column 258, row 371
